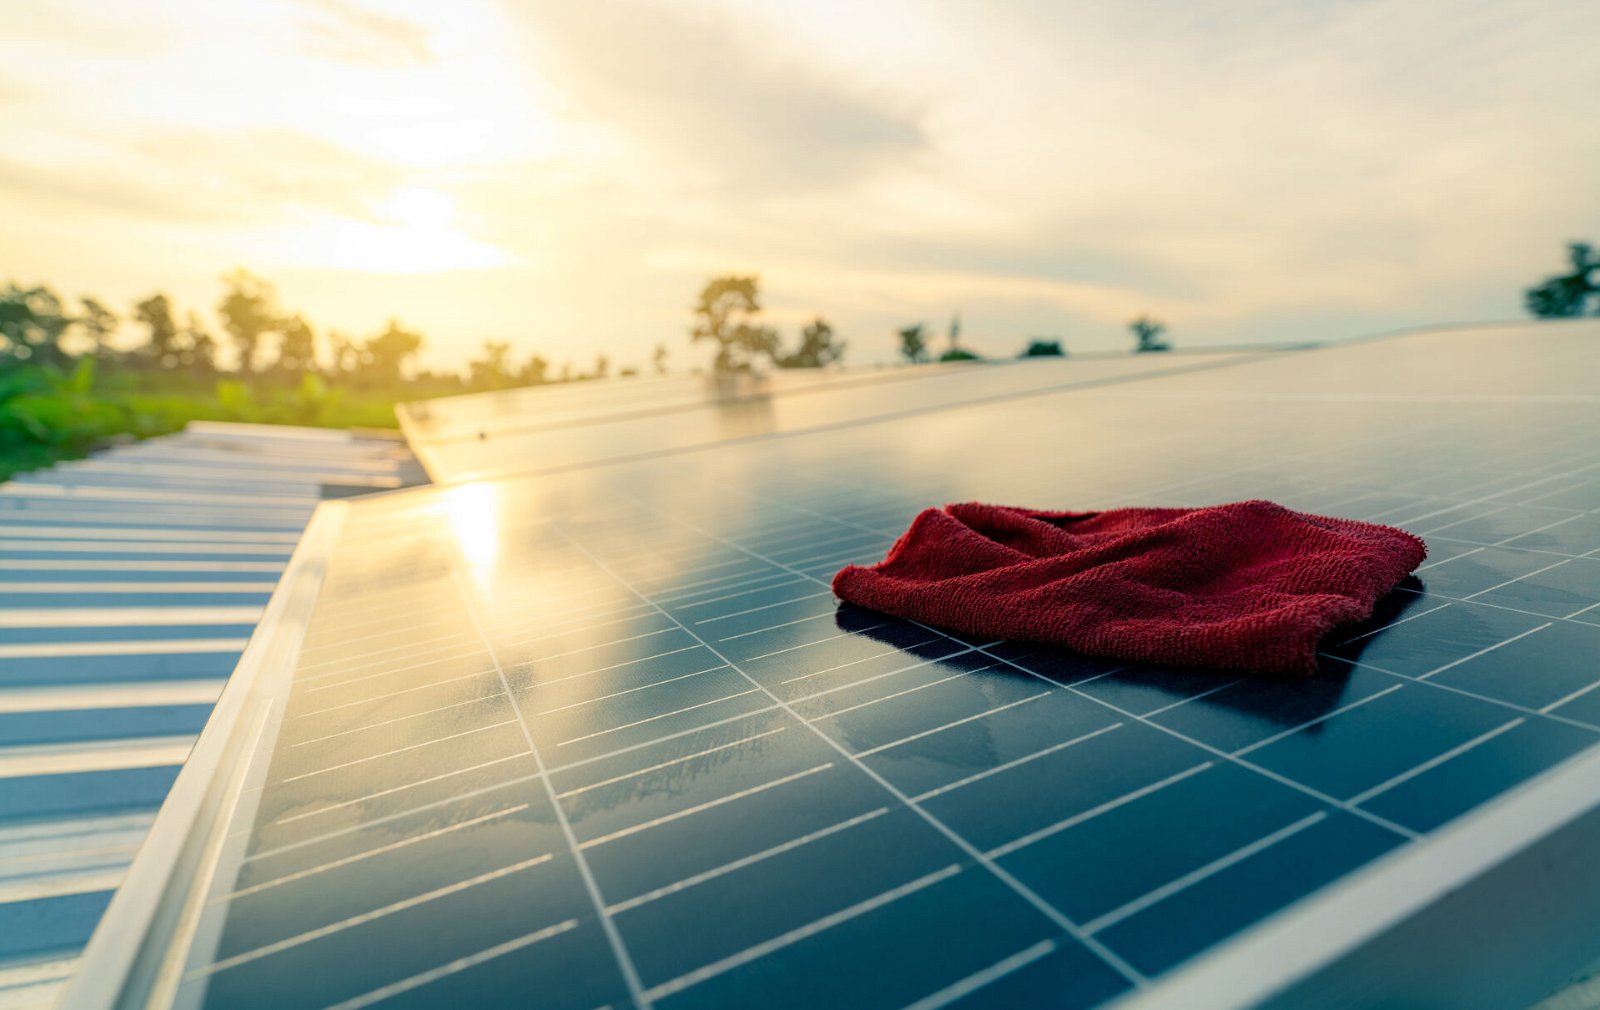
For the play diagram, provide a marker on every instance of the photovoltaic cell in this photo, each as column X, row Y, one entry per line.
column 604, row 737
column 471, row 437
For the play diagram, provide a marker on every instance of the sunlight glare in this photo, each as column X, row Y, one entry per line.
column 418, row 207
column 472, row 510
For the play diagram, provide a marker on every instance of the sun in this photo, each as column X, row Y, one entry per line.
column 418, row 207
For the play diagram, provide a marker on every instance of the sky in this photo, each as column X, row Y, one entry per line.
column 566, row 175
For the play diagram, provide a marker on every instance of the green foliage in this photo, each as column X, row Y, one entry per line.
column 54, row 406
column 385, row 356
column 817, row 348
column 1039, row 347
column 249, row 311
column 313, row 401
column 1147, row 335
column 727, row 314
column 31, row 324
column 98, row 323
column 18, row 427
column 297, row 346
column 1566, row 295
column 47, row 414
column 913, row 344
column 197, row 350
column 959, row 354
column 155, row 313
column 235, row 399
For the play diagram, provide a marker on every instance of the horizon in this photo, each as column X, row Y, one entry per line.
column 567, row 178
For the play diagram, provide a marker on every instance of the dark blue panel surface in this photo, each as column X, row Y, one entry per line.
column 124, row 633
column 53, row 670
column 605, row 738
column 153, row 597
column 22, row 728
column 104, row 792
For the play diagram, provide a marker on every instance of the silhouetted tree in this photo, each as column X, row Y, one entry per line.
column 659, row 359
column 535, row 372
column 98, row 322
column 1147, row 333
column 817, row 348
column 249, row 311
column 602, row 367
column 161, row 347
column 959, row 354
column 1039, row 347
column 197, row 348
column 913, row 344
column 726, row 314
column 385, row 356
column 954, row 337
column 344, row 355
column 1567, row 294
column 297, row 346
column 492, row 369
column 31, row 324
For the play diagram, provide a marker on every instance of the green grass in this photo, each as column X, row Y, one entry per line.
column 46, row 416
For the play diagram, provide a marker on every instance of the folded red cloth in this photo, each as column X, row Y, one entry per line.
column 1250, row 586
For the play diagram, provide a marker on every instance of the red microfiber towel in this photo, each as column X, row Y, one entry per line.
column 1250, row 586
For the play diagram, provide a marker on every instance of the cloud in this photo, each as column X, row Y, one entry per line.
column 190, row 176
column 696, row 88
column 347, row 32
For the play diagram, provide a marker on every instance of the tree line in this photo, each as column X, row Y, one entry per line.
column 728, row 315
column 262, row 343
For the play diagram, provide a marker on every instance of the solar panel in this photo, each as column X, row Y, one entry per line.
column 117, row 632
column 604, row 738
column 486, row 435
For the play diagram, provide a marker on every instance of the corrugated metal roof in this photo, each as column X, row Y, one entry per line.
column 129, row 584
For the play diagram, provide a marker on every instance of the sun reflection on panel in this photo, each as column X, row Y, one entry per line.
column 473, row 512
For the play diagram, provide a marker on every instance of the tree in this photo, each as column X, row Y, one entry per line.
column 492, row 371
column 1039, row 347
column 249, row 311
column 535, row 372
column 955, row 340
column 31, row 324
column 343, row 354
column 297, row 346
column 913, row 344
column 817, row 348
column 385, row 356
column 98, row 322
column 1566, row 295
column 155, row 313
column 197, row 348
column 1146, row 333
column 726, row 314
column 958, row 354
column 659, row 359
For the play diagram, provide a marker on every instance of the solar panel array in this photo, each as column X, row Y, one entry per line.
column 495, row 434
column 604, row 737
column 129, row 583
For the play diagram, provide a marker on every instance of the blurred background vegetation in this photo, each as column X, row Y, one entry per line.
column 78, row 375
